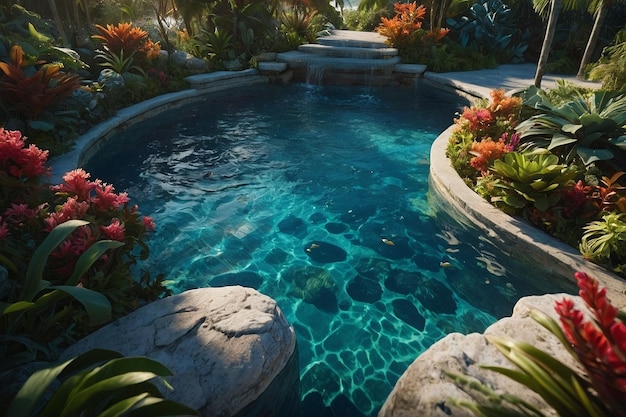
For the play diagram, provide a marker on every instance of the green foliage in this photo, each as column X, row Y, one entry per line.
column 33, row 317
column 490, row 29
column 604, row 241
column 531, row 179
column 118, row 62
column 97, row 382
column 365, row 20
column 611, row 68
column 585, row 129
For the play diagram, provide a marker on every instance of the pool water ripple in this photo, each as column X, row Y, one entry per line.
column 317, row 197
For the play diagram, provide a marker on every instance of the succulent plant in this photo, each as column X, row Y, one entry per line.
column 531, row 178
column 591, row 129
column 604, row 241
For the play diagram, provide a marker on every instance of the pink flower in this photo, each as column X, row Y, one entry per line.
column 19, row 212
column 105, row 197
column 149, row 223
column 114, row 231
column 17, row 160
column 76, row 183
column 70, row 210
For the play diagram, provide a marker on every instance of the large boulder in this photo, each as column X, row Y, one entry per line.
column 423, row 390
column 225, row 346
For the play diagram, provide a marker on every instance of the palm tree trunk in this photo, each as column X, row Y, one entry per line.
column 601, row 14
column 58, row 21
column 555, row 9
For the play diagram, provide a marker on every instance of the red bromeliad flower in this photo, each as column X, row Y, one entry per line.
column 599, row 344
column 17, row 160
column 114, row 231
column 149, row 224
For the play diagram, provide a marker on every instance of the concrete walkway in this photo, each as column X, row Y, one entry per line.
column 510, row 77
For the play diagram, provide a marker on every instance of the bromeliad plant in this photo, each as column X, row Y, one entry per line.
column 95, row 254
column 404, row 31
column 596, row 341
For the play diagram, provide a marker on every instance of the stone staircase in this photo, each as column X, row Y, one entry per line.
column 344, row 57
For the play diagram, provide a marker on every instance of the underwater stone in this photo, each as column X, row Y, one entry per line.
column 427, row 262
column 364, row 289
column 293, row 225
column 315, row 286
column 317, row 218
column 336, row 228
column 324, row 252
column 375, row 268
column 407, row 312
column 436, row 297
column 358, row 215
column 244, row 278
column 276, row 256
column 404, row 282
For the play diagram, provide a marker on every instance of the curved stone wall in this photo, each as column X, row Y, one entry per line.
column 522, row 240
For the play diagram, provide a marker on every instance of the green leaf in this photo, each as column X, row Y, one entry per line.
column 97, row 305
column 29, row 396
column 39, row 36
column 17, row 307
column 589, row 155
column 91, row 255
column 40, row 256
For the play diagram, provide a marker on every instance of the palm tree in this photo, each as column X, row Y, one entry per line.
column 601, row 11
column 555, row 9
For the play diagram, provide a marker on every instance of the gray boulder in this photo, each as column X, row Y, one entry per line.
column 225, row 346
column 423, row 390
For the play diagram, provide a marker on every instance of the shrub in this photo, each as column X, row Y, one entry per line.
column 404, row 31
column 97, row 254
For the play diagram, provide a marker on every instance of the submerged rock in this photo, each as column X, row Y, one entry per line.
column 293, row 225
column 407, row 312
column 315, row 286
column 364, row 289
column 324, row 252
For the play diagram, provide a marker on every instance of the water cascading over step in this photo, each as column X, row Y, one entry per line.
column 344, row 57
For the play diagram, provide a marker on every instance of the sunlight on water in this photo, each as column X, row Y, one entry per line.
column 317, row 197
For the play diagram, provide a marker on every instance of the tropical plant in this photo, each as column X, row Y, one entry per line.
column 604, row 241
column 596, row 341
column 118, row 62
column 219, row 47
column 77, row 255
column 611, row 68
column 31, row 321
column 121, row 37
column 404, row 31
column 587, row 129
column 98, row 382
column 531, row 179
column 489, row 28
column 28, row 90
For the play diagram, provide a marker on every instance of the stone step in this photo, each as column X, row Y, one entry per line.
column 348, row 51
column 353, row 39
column 297, row 59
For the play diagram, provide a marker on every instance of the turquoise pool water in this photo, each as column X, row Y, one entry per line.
column 317, row 197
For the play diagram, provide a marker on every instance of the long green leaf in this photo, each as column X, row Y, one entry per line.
column 157, row 407
column 81, row 399
column 34, row 272
column 20, row 306
column 97, row 305
column 28, row 397
column 91, row 255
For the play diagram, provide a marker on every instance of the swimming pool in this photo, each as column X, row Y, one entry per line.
column 318, row 197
